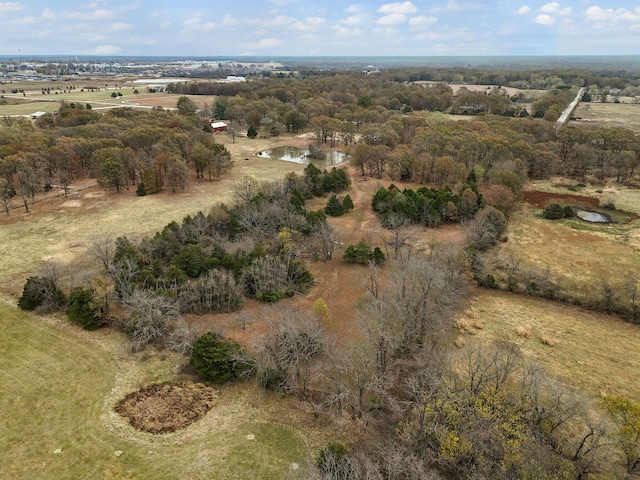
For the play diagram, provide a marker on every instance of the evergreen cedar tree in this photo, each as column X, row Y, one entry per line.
column 218, row 361
column 80, row 309
column 41, row 292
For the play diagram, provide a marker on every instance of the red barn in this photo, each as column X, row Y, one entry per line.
column 219, row 126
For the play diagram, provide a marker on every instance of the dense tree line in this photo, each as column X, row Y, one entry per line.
column 121, row 148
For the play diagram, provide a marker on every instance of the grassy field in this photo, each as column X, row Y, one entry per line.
column 58, row 421
column 594, row 353
column 578, row 254
column 42, row 357
column 608, row 115
column 35, row 100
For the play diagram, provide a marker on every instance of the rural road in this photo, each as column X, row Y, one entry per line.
column 569, row 110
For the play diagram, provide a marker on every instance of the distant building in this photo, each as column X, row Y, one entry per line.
column 219, row 126
column 234, row 78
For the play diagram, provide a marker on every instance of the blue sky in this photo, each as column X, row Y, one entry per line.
column 312, row 27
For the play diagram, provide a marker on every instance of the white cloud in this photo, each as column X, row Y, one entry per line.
column 544, row 19
column 47, row 14
column 165, row 24
column 552, row 7
column 347, row 32
column 229, row 20
column 608, row 15
column 106, row 50
column 523, row 10
column 392, row 19
column 398, row 8
column 120, row 27
column 314, row 22
column 453, row 6
column 10, row 7
column 355, row 20
column 428, row 36
column 265, row 43
column 23, row 21
column 354, row 8
column 422, row 21
column 100, row 14
column 194, row 23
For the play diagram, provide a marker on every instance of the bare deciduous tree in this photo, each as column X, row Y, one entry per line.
column 152, row 316
column 295, row 341
column 102, row 248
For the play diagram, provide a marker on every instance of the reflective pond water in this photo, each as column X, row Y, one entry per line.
column 591, row 216
column 299, row 155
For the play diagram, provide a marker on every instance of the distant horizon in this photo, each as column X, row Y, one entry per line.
column 623, row 62
column 311, row 28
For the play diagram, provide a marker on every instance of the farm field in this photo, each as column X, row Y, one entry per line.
column 34, row 100
column 60, row 229
column 578, row 255
column 594, row 353
column 608, row 115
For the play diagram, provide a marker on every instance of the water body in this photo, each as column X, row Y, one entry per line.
column 591, row 216
column 299, row 155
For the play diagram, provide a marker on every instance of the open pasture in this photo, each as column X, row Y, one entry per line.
column 100, row 97
column 578, row 255
column 608, row 115
column 594, row 353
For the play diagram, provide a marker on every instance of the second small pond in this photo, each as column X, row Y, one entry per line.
column 300, row 155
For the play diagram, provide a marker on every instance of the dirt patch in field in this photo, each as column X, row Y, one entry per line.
column 542, row 199
column 166, row 407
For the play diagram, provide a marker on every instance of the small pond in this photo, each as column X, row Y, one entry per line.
column 299, row 155
column 591, row 216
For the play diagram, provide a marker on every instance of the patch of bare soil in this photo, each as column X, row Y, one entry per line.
column 541, row 199
column 166, row 407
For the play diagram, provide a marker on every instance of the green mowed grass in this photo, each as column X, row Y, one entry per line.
column 29, row 108
column 60, row 385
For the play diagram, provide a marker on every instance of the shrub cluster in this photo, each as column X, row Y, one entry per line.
column 43, row 294
column 362, row 253
column 219, row 360
column 555, row 211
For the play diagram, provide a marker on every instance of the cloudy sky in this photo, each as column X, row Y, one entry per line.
column 314, row 27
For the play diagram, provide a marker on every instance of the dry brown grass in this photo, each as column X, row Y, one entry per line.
column 608, row 115
column 577, row 255
column 524, row 331
column 595, row 353
column 548, row 341
column 625, row 197
column 469, row 325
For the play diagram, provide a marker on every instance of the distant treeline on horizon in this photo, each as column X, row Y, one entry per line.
column 621, row 62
